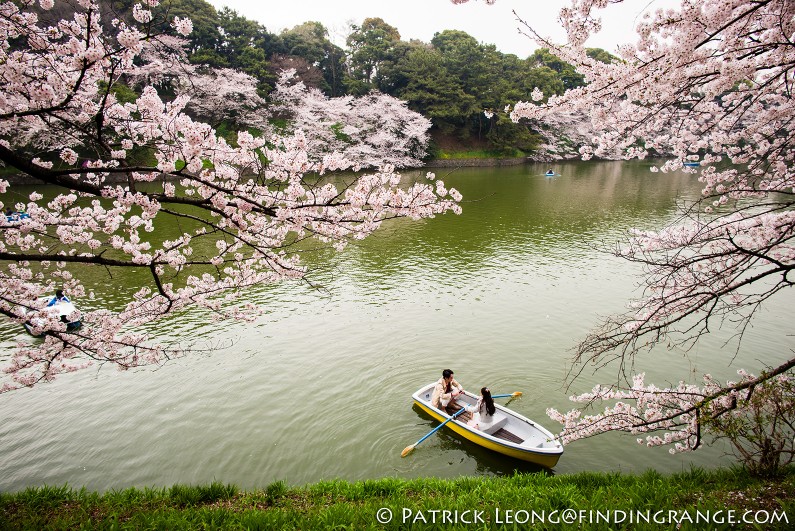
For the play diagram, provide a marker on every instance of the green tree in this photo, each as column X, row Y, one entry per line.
column 310, row 41
column 544, row 78
column 244, row 47
column 464, row 57
column 566, row 72
column 432, row 90
column 205, row 35
column 370, row 46
column 600, row 55
column 473, row 66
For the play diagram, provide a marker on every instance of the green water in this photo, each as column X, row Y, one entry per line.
column 320, row 386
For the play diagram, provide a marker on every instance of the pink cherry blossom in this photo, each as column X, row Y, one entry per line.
column 246, row 203
column 707, row 83
column 184, row 26
column 142, row 15
column 375, row 127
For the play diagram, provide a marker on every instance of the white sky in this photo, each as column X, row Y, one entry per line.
column 420, row 19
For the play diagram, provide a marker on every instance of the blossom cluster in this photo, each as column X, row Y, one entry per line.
column 671, row 416
column 710, row 84
column 241, row 206
column 375, row 127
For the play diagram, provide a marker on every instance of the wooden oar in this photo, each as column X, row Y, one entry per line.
column 407, row 450
column 512, row 395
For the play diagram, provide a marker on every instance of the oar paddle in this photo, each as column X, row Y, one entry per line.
column 512, row 395
column 407, row 450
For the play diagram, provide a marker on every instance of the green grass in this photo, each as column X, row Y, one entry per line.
column 504, row 503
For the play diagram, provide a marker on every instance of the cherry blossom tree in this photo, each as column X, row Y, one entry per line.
column 375, row 128
column 710, row 83
column 371, row 130
column 243, row 205
column 217, row 95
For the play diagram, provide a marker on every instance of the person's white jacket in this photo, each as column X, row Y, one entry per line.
column 481, row 419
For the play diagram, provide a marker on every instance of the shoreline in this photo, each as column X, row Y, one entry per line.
column 490, row 162
column 23, row 179
column 477, row 162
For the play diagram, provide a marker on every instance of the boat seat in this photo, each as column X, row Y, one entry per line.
column 497, row 425
column 502, row 433
column 463, row 417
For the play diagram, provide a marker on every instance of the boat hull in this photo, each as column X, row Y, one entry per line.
column 62, row 310
column 547, row 458
column 70, row 327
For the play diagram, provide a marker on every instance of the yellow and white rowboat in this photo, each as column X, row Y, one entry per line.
column 511, row 434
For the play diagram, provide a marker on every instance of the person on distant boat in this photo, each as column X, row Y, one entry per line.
column 483, row 411
column 59, row 297
column 550, row 172
column 446, row 391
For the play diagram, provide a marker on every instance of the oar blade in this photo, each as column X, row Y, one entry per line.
column 407, row 450
column 516, row 394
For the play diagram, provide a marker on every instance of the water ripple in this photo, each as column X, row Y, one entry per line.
column 320, row 386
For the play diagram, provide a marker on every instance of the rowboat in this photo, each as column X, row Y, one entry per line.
column 16, row 216
column 62, row 309
column 691, row 164
column 510, row 434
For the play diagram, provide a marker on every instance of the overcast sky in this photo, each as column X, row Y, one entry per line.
column 420, row 19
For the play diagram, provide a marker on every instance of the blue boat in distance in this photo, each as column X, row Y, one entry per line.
column 16, row 216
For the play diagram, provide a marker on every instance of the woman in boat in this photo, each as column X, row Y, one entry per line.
column 483, row 411
column 445, row 391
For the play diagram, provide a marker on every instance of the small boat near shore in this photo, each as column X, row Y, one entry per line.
column 510, row 434
column 12, row 217
column 62, row 309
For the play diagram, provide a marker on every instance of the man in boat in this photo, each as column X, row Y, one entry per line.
column 446, row 391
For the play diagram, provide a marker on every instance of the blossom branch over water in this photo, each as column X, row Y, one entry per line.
column 243, row 204
column 710, row 85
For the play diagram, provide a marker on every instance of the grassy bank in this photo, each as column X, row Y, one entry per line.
column 597, row 501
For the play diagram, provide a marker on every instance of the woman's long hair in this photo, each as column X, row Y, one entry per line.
column 488, row 401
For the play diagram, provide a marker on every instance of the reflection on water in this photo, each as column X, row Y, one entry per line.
column 321, row 386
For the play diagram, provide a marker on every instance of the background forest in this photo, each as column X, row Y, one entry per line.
column 452, row 80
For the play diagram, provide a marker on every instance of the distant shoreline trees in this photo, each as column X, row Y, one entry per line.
column 452, row 80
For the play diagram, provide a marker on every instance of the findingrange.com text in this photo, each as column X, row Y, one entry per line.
column 581, row 516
